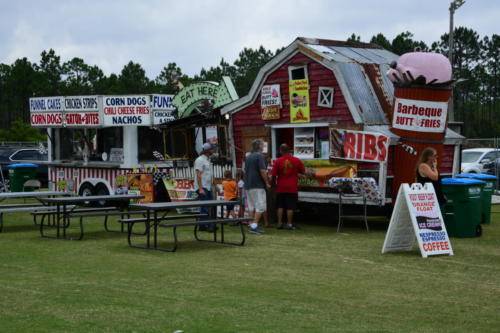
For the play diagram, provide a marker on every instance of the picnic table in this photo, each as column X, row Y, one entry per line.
column 26, row 207
column 156, row 217
column 67, row 207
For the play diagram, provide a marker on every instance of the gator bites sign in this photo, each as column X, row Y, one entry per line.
column 358, row 145
column 71, row 111
column 419, row 116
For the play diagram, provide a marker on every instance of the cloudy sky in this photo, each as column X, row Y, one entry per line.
column 197, row 33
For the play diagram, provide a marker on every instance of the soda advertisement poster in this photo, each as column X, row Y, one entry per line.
column 299, row 101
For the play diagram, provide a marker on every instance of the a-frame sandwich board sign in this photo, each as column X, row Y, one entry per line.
column 417, row 218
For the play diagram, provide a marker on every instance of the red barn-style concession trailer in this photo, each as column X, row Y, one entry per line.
column 316, row 86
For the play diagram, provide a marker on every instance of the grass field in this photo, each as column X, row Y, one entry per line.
column 309, row 280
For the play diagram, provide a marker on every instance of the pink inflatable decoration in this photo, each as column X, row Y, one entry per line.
column 421, row 68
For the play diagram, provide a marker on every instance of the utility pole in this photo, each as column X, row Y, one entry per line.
column 454, row 5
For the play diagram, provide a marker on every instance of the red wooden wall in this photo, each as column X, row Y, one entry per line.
column 319, row 76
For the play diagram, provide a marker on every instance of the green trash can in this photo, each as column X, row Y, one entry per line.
column 19, row 173
column 488, row 189
column 462, row 212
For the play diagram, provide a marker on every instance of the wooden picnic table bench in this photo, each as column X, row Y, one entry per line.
column 157, row 217
column 66, row 208
column 26, row 207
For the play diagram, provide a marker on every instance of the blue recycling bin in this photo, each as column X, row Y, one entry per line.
column 19, row 173
column 486, row 194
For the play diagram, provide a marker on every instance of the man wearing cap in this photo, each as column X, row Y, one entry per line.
column 203, row 179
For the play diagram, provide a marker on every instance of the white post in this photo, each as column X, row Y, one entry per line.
column 232, row 145
column 382, row 180
column 130, row 152
column 272, row 144
column 49, row 143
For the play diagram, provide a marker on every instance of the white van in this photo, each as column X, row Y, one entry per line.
column 474, row 160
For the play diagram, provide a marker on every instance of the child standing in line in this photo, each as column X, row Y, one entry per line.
column 241, row 191
column 230, row 188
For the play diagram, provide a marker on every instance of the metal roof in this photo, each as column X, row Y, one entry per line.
column 347, row 60
column 362, row 93
column 451, row 137
column 355, row 54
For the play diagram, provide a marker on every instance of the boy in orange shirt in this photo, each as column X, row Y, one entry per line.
column 230, row 188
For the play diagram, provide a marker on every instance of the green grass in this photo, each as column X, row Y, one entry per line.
column 310, row 280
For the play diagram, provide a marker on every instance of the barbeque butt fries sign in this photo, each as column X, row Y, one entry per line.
column 417, row 217
column 358, row 145
column 419, row 116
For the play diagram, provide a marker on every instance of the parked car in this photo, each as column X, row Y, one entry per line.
column 493, row 168
column 10, row 155
column 474, row 160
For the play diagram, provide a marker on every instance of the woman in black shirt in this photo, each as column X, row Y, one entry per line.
column 427, row 172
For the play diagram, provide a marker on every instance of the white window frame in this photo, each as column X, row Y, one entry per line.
column 320, row 99
column 291, row 68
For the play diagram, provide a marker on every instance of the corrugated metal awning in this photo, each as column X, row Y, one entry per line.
column 362, row 94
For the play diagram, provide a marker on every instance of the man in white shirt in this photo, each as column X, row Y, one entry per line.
column 203, row 179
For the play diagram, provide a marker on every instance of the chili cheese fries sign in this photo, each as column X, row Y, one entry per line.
column 417, row 219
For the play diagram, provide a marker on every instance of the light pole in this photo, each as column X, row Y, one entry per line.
column 454, row 5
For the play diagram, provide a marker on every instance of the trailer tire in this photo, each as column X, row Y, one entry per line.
column 101, row 189
column 86, row 189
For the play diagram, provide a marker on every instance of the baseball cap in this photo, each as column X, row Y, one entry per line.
column 207, row 146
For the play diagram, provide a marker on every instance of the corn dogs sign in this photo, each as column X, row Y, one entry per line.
column 358, row 145
column 70, row 111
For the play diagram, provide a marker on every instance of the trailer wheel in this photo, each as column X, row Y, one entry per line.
column 101, row 189
column 85, row 190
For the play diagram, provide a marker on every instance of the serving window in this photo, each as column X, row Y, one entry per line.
column 149, row 141
column 78, row 144
column 305, row 142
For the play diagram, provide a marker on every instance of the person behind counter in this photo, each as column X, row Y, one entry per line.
column 427, row 172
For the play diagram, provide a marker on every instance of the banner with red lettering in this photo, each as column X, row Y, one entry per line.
column 417, row 217
column 181, row 190
column 69, row 111
column 419, row 116
column 358, row 145
column 132, row 110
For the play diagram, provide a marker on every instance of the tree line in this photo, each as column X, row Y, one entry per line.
column 476, row 62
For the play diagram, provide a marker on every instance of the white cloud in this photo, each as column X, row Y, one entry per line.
column 197, row 34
